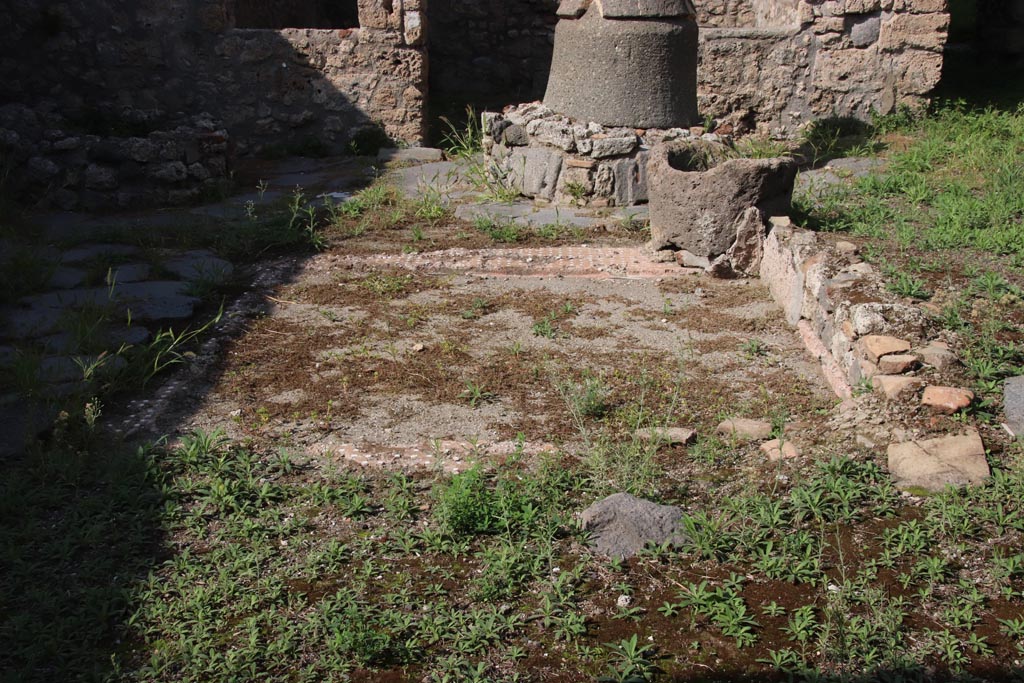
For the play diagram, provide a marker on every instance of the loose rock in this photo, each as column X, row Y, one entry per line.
column 1013, row 404
column 621, row 525
column 946, row 400
column 744, row 429
column 894, row 387
column 897, row 364
column 667, row 436
column 777, row 449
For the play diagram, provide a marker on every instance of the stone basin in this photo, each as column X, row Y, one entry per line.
column 713, row 206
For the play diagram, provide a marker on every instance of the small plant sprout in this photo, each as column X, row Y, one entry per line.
column 475, row 394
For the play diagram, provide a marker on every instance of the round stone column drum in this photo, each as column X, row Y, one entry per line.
column 625, row 63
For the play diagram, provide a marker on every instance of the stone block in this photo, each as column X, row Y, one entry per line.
column 934, row 464
column 862, row 6
column 874, row 346
column 413, row 25
column 917, row 71
column 534, row 171
column 616, row 143
column 879, row 318
column 778, row 270
column 515, row 136
column 100, row 177
column 864, row 30
column 920, row 6
column 896, row 387
column 920, row 31
column 553, row 132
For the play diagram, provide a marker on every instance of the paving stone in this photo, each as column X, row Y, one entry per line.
column 63, row 343
column 815, row 183
column 934, row 464
column 130, row 272
column 199, row 265
column 874, row 346
column 777, row 449
column 91, row 252
column 160, row 300
column 667, row 436
column 621, row 525
column 421, row 154
column 70, row 298
column 21, row 422
column 29, row 323
column 897, row 364
column 894, row 387
column 527, row 213
column 64, row 369
column 66, row 277
column 443, row 177
column 946, row 400
column 744, row 429
column 1013, row 404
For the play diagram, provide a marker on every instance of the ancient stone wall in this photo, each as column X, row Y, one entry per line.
column 106, row 73
column 828, row 58
column 290, row 14
column 489, row 53
column 780, row 63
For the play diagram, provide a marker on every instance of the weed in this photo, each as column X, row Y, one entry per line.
column 475, row 394
column 465, row 141
column 905, row 284
column 754, row 348
column 500, row 230
column 630, row 662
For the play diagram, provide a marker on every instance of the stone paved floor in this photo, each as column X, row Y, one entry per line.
column 157, row 290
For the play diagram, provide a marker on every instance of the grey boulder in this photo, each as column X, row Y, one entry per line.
column 622, row 524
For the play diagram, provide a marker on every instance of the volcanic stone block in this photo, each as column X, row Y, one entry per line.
column 634, row 63
column 534, row 171
column 621, row 525
column 698, row 196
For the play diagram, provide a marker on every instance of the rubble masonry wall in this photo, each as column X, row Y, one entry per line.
column 88, row 85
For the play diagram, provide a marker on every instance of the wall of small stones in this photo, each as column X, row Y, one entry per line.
column 76, row 170
column 548, row 157
column 778, row 63
column 489, row 53
column 109, row 74
column 793, row 64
